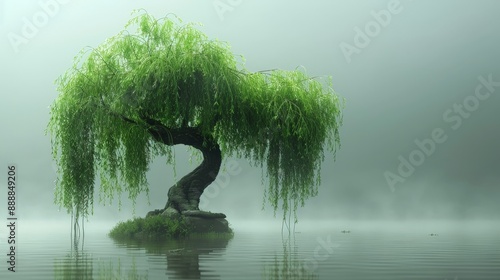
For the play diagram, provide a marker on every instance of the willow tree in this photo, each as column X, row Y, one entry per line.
column 161, row 83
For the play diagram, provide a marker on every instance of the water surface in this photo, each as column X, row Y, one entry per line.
column 372, row 251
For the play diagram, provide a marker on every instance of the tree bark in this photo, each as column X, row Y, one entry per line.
column 185, row 194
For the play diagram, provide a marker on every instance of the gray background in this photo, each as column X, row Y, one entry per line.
column 397, row 87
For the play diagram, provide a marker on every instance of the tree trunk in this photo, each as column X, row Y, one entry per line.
column 185, row 194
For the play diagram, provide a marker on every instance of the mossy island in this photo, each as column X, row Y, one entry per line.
column 160, row 224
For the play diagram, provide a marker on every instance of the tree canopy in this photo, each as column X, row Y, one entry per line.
column 163, row 70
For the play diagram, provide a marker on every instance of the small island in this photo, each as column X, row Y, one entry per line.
column 162, row 224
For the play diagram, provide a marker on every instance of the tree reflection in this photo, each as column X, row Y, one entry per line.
column 288, row 266
column 183, row 255
column 74, row 266
column 80, row 265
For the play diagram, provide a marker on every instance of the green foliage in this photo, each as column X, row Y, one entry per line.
column 150, row 227
column 279, row 120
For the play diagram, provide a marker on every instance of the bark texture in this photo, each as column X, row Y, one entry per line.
column 185, row 194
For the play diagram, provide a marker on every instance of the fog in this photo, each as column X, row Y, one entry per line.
column 421, row 80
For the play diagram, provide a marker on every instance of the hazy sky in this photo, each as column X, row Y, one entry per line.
column 421, row 80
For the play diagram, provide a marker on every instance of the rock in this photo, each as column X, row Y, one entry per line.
column 203, row 225
column 175, row 251
column 198, row 221
column 205, row 222
column 171, row 213
column 203, row 214
column 154, row 213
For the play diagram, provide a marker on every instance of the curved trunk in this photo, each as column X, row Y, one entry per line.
column 185, row 194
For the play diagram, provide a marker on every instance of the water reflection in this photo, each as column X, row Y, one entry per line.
column 74, row 266
column 80, row 265
column 181, row 259
column 183, row 256
column 289, row 265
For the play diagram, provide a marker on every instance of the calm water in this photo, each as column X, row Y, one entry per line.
column 369, row 251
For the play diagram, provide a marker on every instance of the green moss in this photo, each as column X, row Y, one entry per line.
column 149, row 228
column 155, row 227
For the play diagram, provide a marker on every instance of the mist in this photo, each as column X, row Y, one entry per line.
column 410, row 72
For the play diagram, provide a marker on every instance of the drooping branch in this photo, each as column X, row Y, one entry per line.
column 186, row 193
